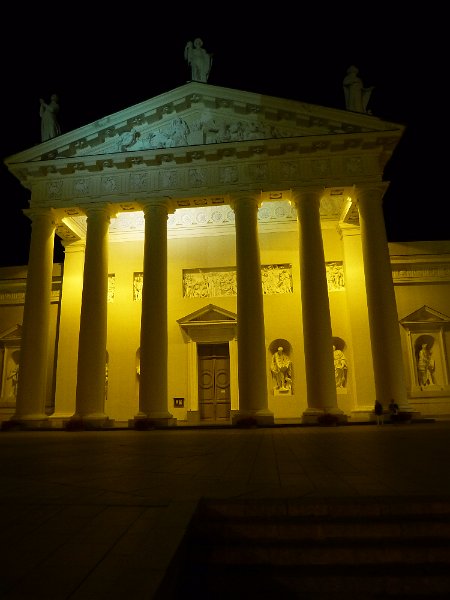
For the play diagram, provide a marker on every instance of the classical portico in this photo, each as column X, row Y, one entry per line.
column 123, row 178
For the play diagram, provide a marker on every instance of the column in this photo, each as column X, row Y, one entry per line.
column 90, row 394
column 381, row 303
column 252, row 375
column 153, row 385
column 317, row 334
column 355, row 286
column 32, row 385
column 69, row 331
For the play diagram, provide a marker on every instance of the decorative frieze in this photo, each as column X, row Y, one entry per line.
column 110, row 184
column 54, row 189
column 214, row 283
column 111, row 287
column 19, row 297
column 335, row 276
column 138, row 182
column 421, row 272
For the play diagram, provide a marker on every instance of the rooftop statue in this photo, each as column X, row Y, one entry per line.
column 198, row 59
column 356, row 95
column 50, row 127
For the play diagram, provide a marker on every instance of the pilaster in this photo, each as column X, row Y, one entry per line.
column 355, row 287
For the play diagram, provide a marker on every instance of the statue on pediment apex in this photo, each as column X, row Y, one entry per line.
column 198, row 59
column 50, row 127
column 356, row 95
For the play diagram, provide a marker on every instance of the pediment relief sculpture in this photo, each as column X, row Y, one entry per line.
column 197, row 114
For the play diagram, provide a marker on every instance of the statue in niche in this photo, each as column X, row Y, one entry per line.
column 106, row 380
column 198, row 59
column 281, row 367
column 426, row 366
column 50, row 127
column 340, row 368
column 14, row 377
column 356, row 95
column 138, row 283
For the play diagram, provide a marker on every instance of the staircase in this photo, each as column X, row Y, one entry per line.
column 314, row 549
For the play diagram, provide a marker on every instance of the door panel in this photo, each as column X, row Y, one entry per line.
column 206, row 387
column 214, row 384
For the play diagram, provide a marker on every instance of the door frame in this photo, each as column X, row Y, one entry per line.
column 217, row 361
column 209, row 325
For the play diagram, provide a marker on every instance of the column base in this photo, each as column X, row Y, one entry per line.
column 88, row 423
column 263, row 418
column 316, row 416
column 156, row 421
column 24, row 423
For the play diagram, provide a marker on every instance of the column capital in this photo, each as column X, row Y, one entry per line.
column 98, row 208
column 71, row 247
column 306, row 194
column 347, row 230
column 245, row 198
column 42, row 213
column 371, row 192
column 161, row 203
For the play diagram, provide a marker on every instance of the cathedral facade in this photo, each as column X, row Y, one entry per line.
column 226, row 261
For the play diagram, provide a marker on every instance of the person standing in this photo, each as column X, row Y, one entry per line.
column 379, row 414
column 50, row 127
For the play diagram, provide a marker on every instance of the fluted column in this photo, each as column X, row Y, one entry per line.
column 90, row 395
column 32, row 384
column 381, row 302
column 317, row 334
column 252, row 375
column 153, row 384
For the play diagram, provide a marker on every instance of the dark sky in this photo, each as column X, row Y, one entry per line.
column 101, row 59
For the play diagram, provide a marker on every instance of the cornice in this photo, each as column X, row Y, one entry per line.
column 320, row 146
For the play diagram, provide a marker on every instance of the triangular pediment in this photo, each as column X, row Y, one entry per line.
column 209, row 314
column 11, row 334
column 199, row 114
column 425, row 314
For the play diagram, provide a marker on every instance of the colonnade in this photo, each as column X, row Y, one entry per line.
column 253, row 394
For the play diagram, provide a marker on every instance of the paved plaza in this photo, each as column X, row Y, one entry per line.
column 98, row 515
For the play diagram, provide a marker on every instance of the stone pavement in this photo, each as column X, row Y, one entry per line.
column 99, row 515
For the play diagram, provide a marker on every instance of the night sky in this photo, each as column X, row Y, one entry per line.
column 103, row 59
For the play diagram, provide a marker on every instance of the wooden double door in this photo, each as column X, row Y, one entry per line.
column 214, row 382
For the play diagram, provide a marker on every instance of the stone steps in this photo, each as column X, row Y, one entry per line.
column 296, row 548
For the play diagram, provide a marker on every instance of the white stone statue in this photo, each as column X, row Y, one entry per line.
column 50, row 127
column 198, row 59
column 426, row 367
column 14, row 377
column 356, row 95
column 340, row 368
column 281, row 368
